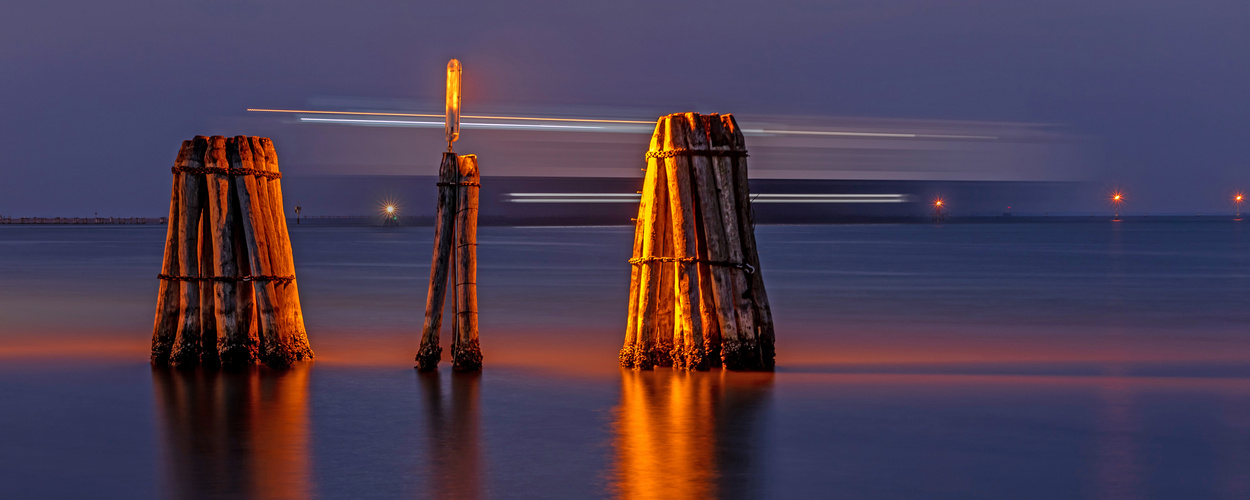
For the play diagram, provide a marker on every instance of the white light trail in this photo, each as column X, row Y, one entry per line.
column 623, row 126
column 760, row 198
column 410, row 123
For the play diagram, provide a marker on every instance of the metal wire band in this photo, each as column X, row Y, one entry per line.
column 459, row 184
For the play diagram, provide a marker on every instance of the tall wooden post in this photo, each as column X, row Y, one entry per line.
column 683, row 221
column 165, row 327
column 186, row 349
column 294, row 341
column 444, row 222
column 746, row 224
column 221, row 221
column 723, row 180
column 466, row 353
column 256, row 300
column 629, row 352
column 255, row 224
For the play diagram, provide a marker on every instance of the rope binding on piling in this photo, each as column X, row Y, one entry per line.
column 696, row 152
column 227, row 171
column 278, row 280
column 739, row 265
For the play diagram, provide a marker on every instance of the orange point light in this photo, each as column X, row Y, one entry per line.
column 390, row 209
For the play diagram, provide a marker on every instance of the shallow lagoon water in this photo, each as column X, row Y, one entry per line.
column 1066, row 360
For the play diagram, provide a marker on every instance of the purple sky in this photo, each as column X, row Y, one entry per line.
column 96, row 96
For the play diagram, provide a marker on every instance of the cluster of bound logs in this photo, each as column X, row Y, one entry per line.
column 455, row 249
column 227, row 293
column 697, row 297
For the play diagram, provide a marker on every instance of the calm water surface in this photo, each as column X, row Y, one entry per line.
column 1066, row 360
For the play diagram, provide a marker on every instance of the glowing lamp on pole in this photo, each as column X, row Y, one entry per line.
column 452, row 126
column 1238, row 198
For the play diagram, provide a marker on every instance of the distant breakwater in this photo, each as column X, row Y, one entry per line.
column 84, row 220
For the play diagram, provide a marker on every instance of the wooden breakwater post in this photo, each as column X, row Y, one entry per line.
column 697, row 298
column 227, row 290
column 454, row 260
column 455, row 249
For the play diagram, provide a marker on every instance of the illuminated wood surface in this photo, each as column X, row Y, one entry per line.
column 746, row 228
column 292, row 343
column 227, row 221
column 466, row 353
column 221, row 221
column 186, row 350
column 444, row 223
column 683, row 230
column 165, row 326
column 253, row 221
column 695, row 277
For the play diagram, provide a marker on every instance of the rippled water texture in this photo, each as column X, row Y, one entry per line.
column 1067, row 360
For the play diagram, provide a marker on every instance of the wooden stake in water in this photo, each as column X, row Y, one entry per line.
column 444, row 224
column 466, row 352
column 165, row 327
column 186, row 349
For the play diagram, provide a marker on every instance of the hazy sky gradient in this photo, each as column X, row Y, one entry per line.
column 96, row 96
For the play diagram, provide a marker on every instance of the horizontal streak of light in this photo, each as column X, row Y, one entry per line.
column 632, row 195
column 835, row 200
column 475, row 117
column 759, row 131
column 771, row 195
column 865, row 134
column 440, row 124
column 760, row 198
column 573, row 200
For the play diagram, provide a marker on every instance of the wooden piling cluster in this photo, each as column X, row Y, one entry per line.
column 228, row 294
column 455, row 253
column 697, row 298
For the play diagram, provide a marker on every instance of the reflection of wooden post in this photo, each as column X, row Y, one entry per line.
column 186, row 350
column 165, row 328
column 466, row 353
column 444, row 222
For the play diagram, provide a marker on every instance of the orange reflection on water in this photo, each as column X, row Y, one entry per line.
column 235, row 434
column 687, row 435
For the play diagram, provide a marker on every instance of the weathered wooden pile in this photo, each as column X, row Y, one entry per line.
column 697, row 298
column 228, row 294
column 455, row 249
